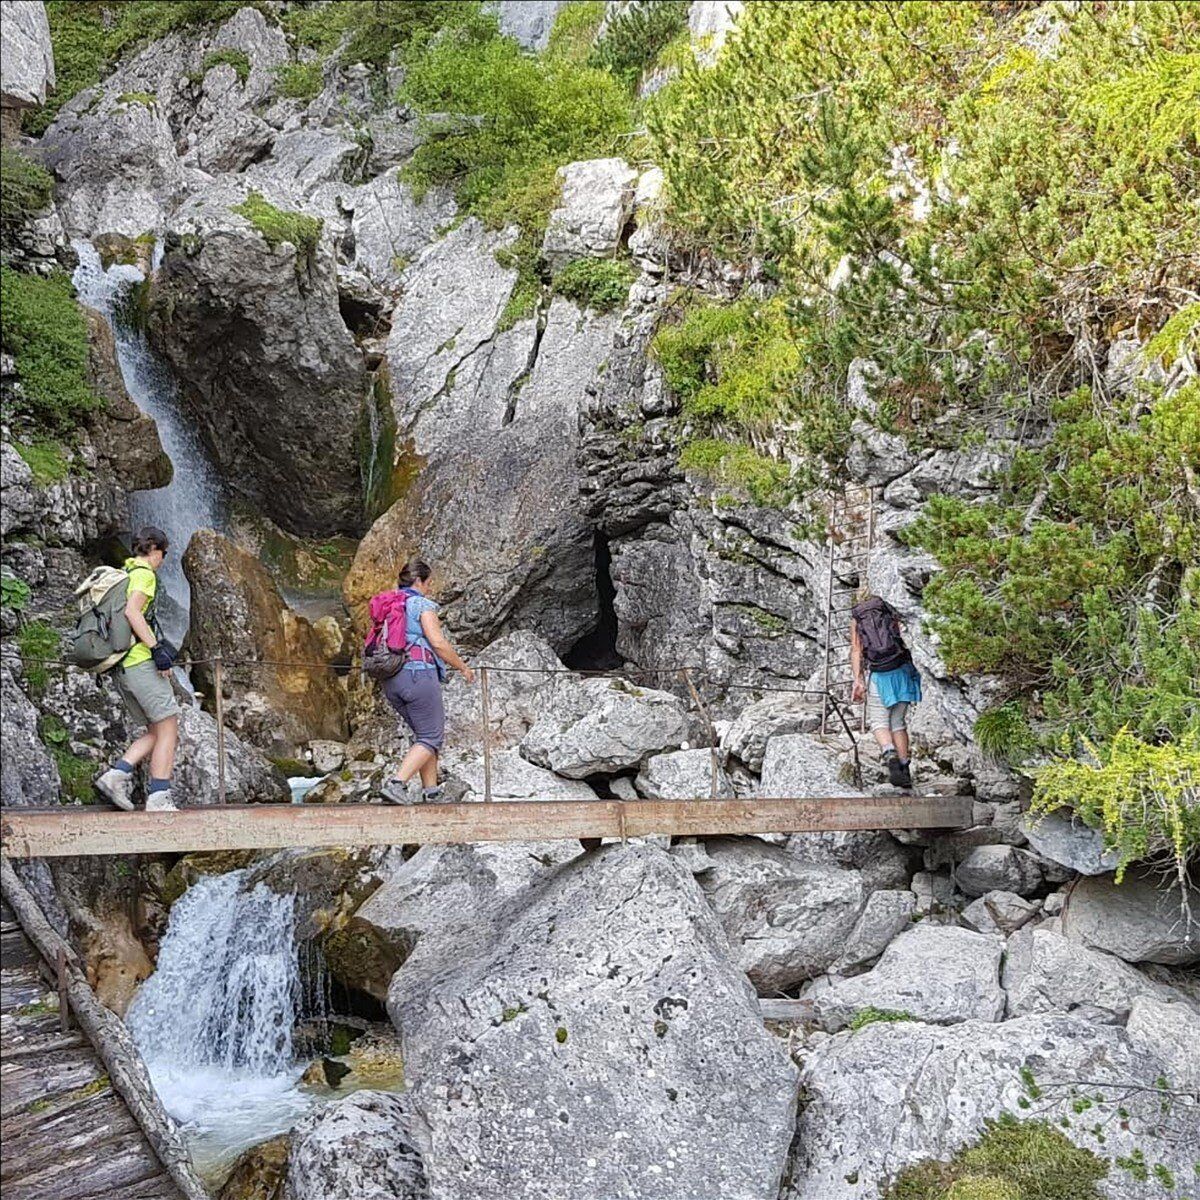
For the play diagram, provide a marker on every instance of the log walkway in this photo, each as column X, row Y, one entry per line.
column 63, row 831
column 67, row 1134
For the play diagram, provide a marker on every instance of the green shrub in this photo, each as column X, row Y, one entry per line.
column 1031, row 1159
column 300, row 81
column 1003, row 732
column 37, row 641
column 14, row 592
column 765, row 480
column 1145, row 799
column 25, row 190
column 76, row 773
column 88, row 38
column 237, row 59
column 42, row 326
column 574, row 31
column 514, row 120
column 46, row 460
column 277, row 225
column 634, row 38
column 372, row 32
column 597, row 283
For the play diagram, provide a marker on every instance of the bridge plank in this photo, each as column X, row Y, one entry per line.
column 50, row 833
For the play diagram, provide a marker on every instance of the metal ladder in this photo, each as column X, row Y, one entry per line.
column 851, row 532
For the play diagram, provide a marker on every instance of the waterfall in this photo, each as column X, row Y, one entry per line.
column 214, row 1022
column 193, row 498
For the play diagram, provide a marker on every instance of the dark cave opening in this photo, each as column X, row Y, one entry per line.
column 597, row 650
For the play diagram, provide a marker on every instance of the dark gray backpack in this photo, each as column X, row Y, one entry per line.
column 102, row 636
column 879, row 635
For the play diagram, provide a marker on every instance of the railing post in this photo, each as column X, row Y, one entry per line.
column 486, row 715
column 219, row 704
column 712, row 734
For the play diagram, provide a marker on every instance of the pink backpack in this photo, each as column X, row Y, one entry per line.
column 385, row 650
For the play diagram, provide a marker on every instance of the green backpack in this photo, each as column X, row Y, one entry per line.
column 102, row 636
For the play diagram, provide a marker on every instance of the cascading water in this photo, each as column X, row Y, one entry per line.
column 214, row 1022
column 193, row 499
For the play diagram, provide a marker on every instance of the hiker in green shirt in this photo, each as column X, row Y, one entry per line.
column 144, row 681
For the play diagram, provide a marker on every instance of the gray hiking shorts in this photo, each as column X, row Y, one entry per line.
column 147, row 693
column 879, row 716
column 417, row 696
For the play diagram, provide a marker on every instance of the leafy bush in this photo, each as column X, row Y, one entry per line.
column 44, row 329
column 237, row 59
column 634, row 38
column 574, row 31
column 37, row 641
column 597, row 283
column 1003, row 732
column 14, row 592
column 76, row 773
column 514, row 119
column 1144, row 798
column 300, row 81
column 277, row 225
column 88, row 38
column 25, row 190
column 1035, row 1161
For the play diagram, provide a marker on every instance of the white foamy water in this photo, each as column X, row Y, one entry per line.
column 194, row 497
column 214, row 1022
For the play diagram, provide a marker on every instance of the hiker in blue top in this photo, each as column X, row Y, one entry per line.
column 415, row 690
column 894, row 684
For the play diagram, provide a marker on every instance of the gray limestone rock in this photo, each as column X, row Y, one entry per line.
column 882, row 861
column 249, row 778
column 391, row 228
column 529, row 21
column 29, row 778
column 1069, row 842
column 360, row 1148
column 801, row 764
column 601, row 1045
column 683, row 775
column 1046, row 972
column 26, row 56
column 1141, row 919
column 515, row 778
column 886, row 915
column 605, row 726
column 20, row 499
column 1002, row 868
column 258, row 325
column 595, row 207
column 709, row 23
column 757, row 723
column 870, row 1113
column 936, row 973
column 1170, row 1031
column 998, row 912
column 787, row 921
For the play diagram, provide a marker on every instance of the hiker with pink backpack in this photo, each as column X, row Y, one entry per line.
column 408, row 653
column 895, row 684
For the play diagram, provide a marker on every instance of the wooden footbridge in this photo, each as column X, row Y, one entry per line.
column 51, row 833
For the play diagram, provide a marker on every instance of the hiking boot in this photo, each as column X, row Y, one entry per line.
column 898, row 773
column 160, row 802
column 116, row 787
column 397, row 791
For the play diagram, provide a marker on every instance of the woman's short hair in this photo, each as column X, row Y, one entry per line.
column 416, row 569
column 148, row 538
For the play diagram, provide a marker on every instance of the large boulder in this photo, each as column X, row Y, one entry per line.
column 1142, row 919
column 26, row 56
column 595, row 207
column 787, row 921
column 882, row 861
column 249, row 778
column 361, row 1148
column 238, row 614
column 871, row 1112
column 935, row 973
column 747, row 736
column 885, row 916
column 1045, row 972
column 513, row 778
column 999, row 912
column 272, row 376
column 998, row 868
column 684, row 775
column 802, row 764
column 605, row 726
column 601, row 1045
column 1170, row 1031
column 529, row 21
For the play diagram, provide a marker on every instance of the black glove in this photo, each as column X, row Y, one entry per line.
column 164, row 655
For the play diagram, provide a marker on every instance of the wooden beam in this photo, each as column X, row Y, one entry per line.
column 53, row 833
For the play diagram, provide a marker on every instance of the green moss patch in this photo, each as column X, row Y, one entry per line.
column 300, row 81
column 278, row 225
column 25, row 190
column 601, row 284
column 46, row 460
column 873, row 1016
column 1013, row 1160
column 37, row 641
column 237, row 59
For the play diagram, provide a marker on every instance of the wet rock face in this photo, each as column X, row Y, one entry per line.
column 272, row 376
column 601, row 1045
column 870, row 1114
column 238, row 614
